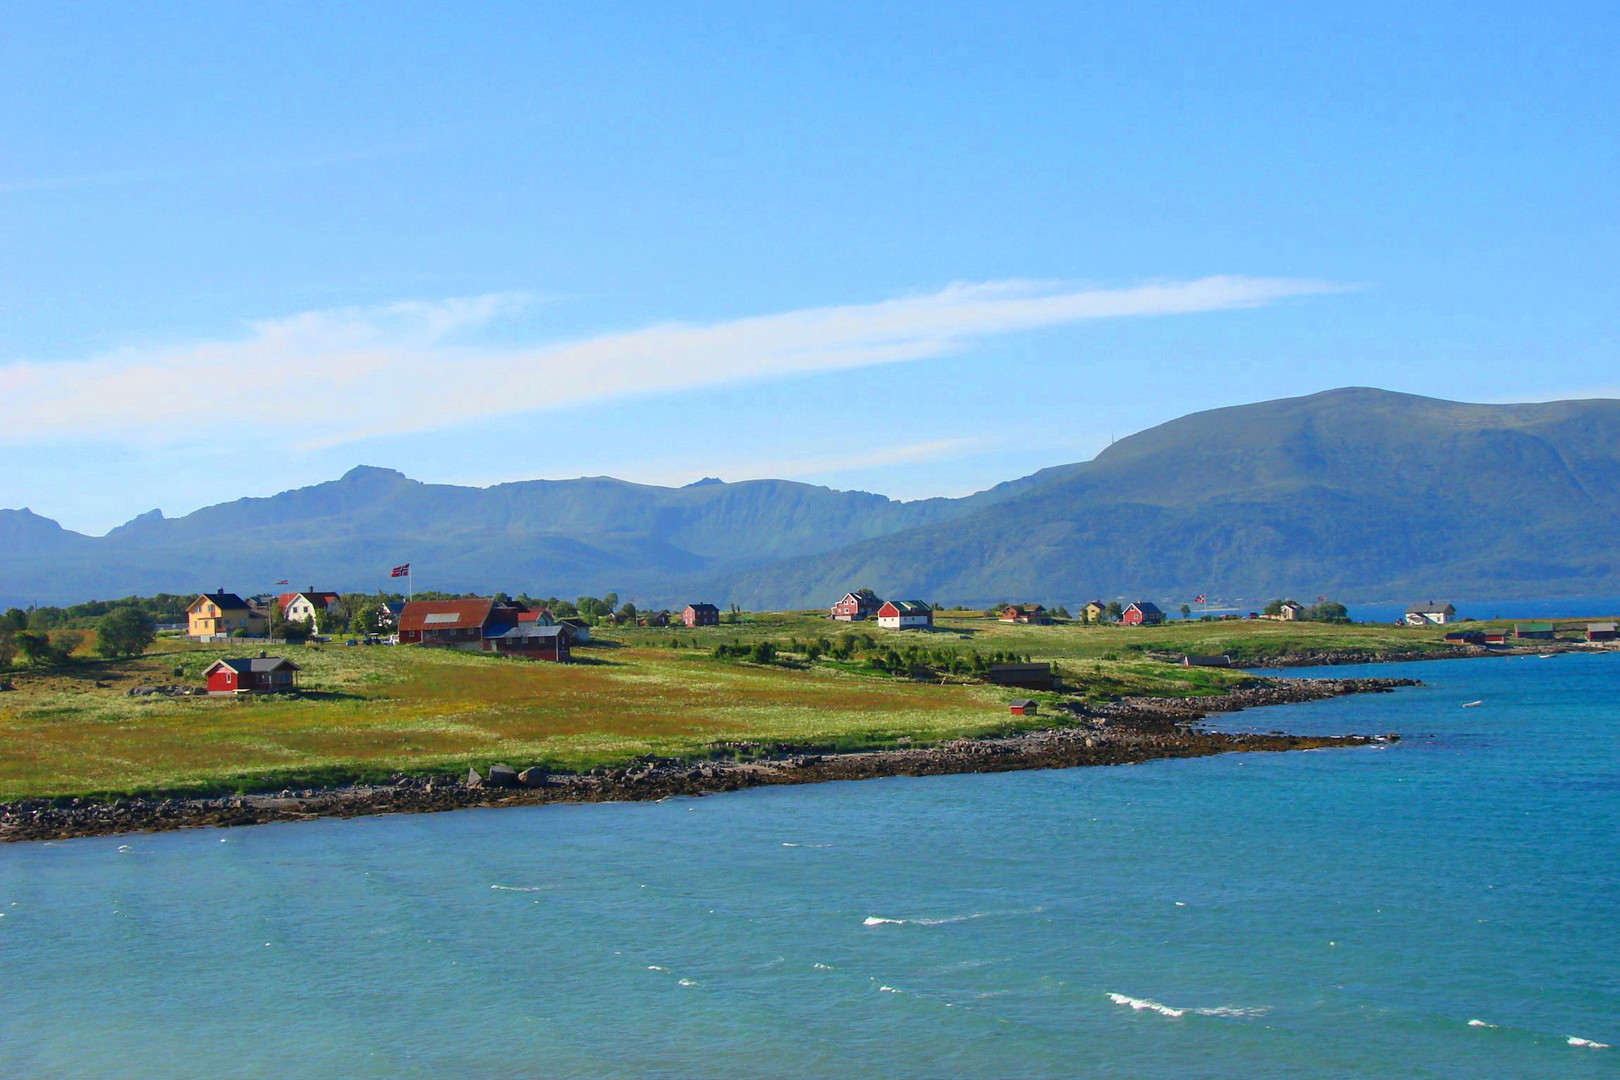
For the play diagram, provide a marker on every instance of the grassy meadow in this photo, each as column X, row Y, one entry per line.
column 367, row 711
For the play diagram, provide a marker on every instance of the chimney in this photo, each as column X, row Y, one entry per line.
column 263, row 655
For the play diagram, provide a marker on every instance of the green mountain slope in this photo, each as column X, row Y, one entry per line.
column 1360, row 493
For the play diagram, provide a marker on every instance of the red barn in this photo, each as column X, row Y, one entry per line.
column 1026, row 613
column 1141, row 613
column 1023, row 707
column 256, row 675
column 700, row 615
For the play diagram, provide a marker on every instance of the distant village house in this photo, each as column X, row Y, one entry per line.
column 700, row 615
column 1096, row 611
column 1142, row 613
column 855, row 606
column 1290, row 611
column 905, row 615
column 1026, row 613
column 483, row 625
column 1602, row 631
column 219, row 614
column 1430, row 614
column 301, row 607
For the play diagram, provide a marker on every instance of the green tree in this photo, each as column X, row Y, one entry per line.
column 628, row 611
column 1114, row 610
column 1274, row 608
column 124, row 631
column 277, row 620
column 1186, row 611
column 763, row 653
column 8, row 647
column 14, row 619
column 364, row 620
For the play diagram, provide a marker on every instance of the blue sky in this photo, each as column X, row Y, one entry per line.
column 916, row 251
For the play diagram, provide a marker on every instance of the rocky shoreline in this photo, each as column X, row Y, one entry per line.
column 1398, row 656
column 1116, row 733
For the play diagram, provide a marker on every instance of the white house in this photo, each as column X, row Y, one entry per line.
column 1430, row 614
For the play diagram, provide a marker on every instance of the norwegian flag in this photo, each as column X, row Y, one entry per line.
column 1199, row 599
column 283, row 581
column 401, row 571
column 1321, row 599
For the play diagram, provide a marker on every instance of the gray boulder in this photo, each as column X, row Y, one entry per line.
column 502, row 776
column 533, row 776
column 473, row 779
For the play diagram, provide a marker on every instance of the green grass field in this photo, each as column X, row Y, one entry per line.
column 365, row 712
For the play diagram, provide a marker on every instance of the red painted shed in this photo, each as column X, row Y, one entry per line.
column 255, row 675
column 1023, row 707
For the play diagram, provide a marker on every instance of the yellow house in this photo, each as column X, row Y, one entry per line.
column 219, row 613
column 1096, row 611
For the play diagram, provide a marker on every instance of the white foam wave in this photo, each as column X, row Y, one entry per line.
column 655, row 967
column 878, row 920
column 1140, row 1004
column 518, row 888
column 823, row 967
column 1234, row 1012
column 688, row 982
column 1576, row 1040
column 890, row 990
column 1480, row 1023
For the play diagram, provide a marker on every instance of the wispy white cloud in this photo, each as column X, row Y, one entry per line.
column 333, row 377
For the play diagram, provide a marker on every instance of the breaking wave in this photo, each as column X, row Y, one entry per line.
column 1576, row 1040
column 518, row 888
column 1143, row 1003
column 1480, row 1023
column 1229, row 1012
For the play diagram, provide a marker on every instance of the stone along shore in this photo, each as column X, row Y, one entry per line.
column 1117, row 733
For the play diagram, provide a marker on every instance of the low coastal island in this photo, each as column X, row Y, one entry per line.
column 641, row 713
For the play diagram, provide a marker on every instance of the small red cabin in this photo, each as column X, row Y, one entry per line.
column 257, row 675
column 1026, row 613
column 1142, row 613
column 855, row 606
column 1023, row 707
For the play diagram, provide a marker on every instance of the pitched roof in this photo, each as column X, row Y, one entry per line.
column 446, row 614
column 909, row 607
column 225, row 601
column 1020, row 703
column 703, row 608
column 1603, row 627
column 1146, row 607
column 1431, row 608
column 258, row 665
column 525, row 631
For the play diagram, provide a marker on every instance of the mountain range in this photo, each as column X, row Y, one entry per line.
column 1357, row 493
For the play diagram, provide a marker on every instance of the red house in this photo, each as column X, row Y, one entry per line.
column 855, row 606
column 1023, row 707
column 1026, row 613
column 484, row 625
column 1141, row 613
column 700, row 615
column 255, row 675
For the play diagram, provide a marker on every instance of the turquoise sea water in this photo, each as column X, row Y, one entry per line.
column 1341, row 913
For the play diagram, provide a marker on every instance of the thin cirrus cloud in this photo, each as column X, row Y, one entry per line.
column 409, row 367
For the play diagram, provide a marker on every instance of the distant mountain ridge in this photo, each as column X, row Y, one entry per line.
column 591, row 535
column 1358, row 493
